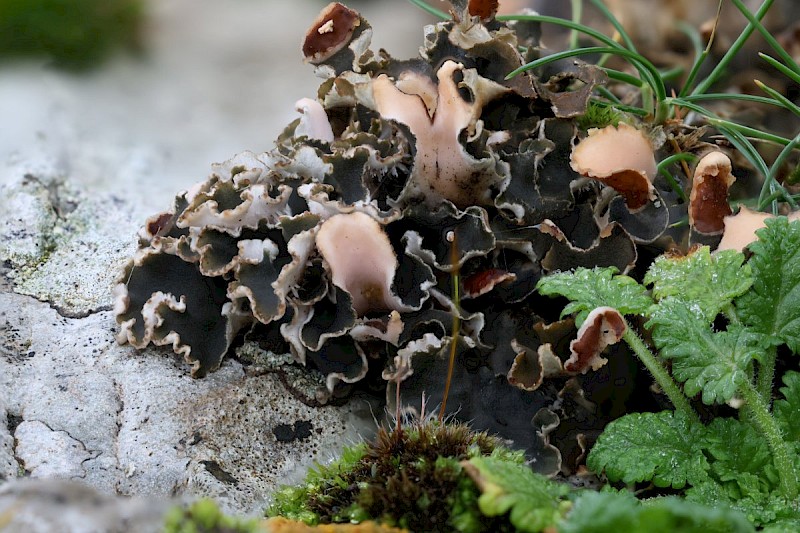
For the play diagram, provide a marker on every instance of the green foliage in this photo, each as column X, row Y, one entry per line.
column 591, row 288
column 600, row 116
column 787, row 410
column 602, row 512
column 715, row 364
column 772, row 307
column 534, row 501
column 664, row 448
column 749, row 463
column 412, row 478
column 204, row 516
column 75, row 33
column 710, row 281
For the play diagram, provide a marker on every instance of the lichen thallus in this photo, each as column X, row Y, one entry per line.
column 455, row 278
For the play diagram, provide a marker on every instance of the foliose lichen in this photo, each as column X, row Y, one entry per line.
column 340, row 245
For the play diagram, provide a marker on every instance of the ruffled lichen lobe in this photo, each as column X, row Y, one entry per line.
column 361, row 259
column 708, row 201
column 621, row 157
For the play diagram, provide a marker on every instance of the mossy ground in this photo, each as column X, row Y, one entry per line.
column 410, row 477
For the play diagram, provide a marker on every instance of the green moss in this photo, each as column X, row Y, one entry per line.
column 411, row 478
column 600, row 116
column 74, row 33
column 204, row 516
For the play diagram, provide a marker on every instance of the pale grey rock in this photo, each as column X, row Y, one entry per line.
column 60, row 506
column 49, row 454
column 128, row 422
column 52, row 240
column 8, row 463
column 88, row 159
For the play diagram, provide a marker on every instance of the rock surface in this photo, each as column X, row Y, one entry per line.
column 78, row 406
column 84, row 420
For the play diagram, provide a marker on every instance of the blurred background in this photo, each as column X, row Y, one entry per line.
column 139, row 97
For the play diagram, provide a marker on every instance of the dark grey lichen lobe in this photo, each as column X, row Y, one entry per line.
column 456, row 169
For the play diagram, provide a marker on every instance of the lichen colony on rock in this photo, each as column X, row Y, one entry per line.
column 335, row 246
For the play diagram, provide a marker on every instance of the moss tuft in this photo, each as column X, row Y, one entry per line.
column 204, row 516
column 410, row 478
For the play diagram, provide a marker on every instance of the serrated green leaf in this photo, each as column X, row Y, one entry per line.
column 708, row 282
column 534, row 501
column 714, row 363
column 761, row 510
column 772, row 306
column 597, row 512
column 665, row 448
column 741, row 456
column 591, row 288
column 787, row 410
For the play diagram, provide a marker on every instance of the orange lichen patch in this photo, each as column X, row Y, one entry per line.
column 740, row 229
column 482, row 282
column 708, row 201
column 361, row 260
column 485, row 9
column 621, row 157
column 604, row 326
column 330, row 32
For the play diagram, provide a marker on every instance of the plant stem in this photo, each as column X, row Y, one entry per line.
column 659, row 373
column 766, row 374
column 577, row 12
column 763, row 419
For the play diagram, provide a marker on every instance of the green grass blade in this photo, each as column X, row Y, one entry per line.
column 614, row 22
column 785, row 102
column 605, row 93
column 783, row 69
column 624, row 108
column 731, row 96
column 586, row 30
column 673, row 183
column 622, row 76
column 577, row 14
column 771, row 41
column 772, row 178
column 648, row 71
column 722, row 66
column 430, row 9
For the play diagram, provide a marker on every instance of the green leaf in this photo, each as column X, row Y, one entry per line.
column 772, row 306
column 700, row 279
column 591, row 288
column 787, row 410
column 714, row 363
column 761, row 510
column 742, row 456
column 665, row 448
column 602, row 512
column 535, row 502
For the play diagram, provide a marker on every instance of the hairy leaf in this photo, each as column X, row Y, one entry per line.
column 741, row 456
column 591, row 288
column 761, row 509
column 714, row 363
column 665, row 448
column 787, row 410
column 772, row 306
column 535, row 502
column 601, row 512
column 700, row 279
